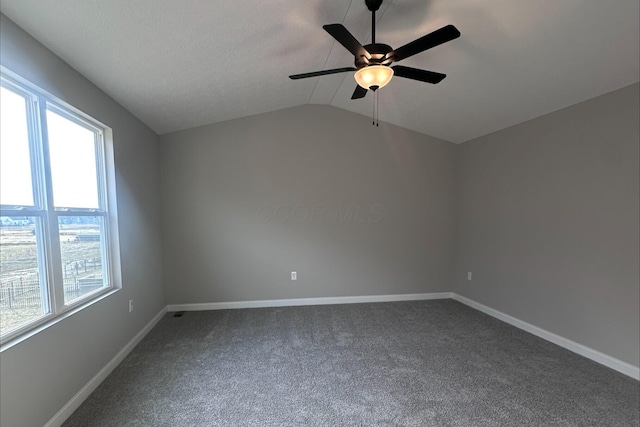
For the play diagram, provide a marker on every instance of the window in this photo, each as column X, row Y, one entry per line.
column 58, row 239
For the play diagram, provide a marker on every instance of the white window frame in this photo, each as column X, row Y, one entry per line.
column 47, row 216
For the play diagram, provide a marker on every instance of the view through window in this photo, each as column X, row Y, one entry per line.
column 54, row 217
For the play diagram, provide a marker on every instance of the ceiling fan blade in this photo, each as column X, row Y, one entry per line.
column 360, row 92
column 321, row 73
column 344, row 37
column 417, row 74
column 443, row 35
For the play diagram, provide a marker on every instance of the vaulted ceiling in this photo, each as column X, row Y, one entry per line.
column 177, row 64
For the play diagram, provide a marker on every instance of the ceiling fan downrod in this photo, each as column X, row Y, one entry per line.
column 373, row 6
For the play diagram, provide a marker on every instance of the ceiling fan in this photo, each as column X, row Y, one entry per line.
column 372, row 62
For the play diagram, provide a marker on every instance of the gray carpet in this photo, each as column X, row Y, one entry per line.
column 425, row 363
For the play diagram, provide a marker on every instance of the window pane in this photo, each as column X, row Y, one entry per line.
column 72, row 151
column 22, row 288
column 15, row 163
column 82, row 255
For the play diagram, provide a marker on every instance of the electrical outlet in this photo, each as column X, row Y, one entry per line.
column 469, row 276
column 130, row 305
column 294, row 275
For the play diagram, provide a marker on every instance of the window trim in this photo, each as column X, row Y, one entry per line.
column 47, row 216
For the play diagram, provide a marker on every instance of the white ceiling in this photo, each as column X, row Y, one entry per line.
column 176, row 64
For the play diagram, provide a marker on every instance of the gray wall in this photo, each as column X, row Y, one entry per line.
column 548, row 223
column 40, row 374
column 354, row 209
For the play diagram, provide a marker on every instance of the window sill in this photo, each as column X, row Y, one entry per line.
column 47, row 323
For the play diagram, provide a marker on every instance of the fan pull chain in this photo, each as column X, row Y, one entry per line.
column 375, row 115
column 373, row 112
column 377, row 109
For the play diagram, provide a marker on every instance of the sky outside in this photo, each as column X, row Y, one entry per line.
column 71, row 152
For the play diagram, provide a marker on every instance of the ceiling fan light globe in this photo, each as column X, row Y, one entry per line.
column 373, row 75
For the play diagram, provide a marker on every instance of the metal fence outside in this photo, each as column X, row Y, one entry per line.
column 27, row 294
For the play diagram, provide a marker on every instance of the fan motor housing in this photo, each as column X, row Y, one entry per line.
column 378, row 52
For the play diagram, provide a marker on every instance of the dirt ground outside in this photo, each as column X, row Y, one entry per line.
column 21, row 296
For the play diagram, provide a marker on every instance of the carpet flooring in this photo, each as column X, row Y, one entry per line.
column 416, row 363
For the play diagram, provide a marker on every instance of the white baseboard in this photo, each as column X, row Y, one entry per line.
column 65, row 412
column 582, row 350
column 306, row 301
